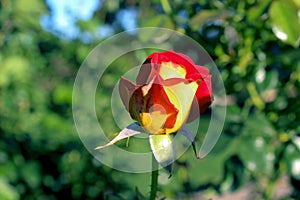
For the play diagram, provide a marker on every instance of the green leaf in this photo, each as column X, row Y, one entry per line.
column 28, row 12
column 138, row 194
column 257, row 10
column 7, row 192
column 14, row 69
column 8, row 170
column 266, row 80
column 297, row 2
column 62, row 94
column 204, row 16
column 285, row 21
column 31, row 174
column 166, row 6
column 256, row 99
column 265, row 128
column 292, row 159
column 162, row 21
column 256, row 154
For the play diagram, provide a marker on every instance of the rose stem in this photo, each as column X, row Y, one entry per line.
column 154, row 178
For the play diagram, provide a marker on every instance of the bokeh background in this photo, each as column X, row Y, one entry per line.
column 255, row 44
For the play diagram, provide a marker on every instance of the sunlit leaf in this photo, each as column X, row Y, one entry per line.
column 157, row 36
column 166, row 6
column 265, row 80
column 261, row 159
column 292, row 158
column 7, row 191
column 62, row 94
column 204, row 16
column 27, row 10
column 258, row 10
column 14, row 68
column 285, row 21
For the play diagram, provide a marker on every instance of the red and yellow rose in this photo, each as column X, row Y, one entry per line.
column 170, row 90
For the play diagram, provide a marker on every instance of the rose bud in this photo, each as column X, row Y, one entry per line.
column 170, row 91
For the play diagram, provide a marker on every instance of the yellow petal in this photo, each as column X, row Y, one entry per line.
column 171, row 70
column 181, row 95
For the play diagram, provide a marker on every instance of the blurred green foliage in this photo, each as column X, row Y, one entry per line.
column 255, row 44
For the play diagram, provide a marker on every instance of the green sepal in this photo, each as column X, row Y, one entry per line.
column 130, row 130
column 163, row 149
column 189, row 135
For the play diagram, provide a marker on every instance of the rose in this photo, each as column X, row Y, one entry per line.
column 170, row 91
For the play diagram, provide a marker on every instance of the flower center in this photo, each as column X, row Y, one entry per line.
column 154, row 120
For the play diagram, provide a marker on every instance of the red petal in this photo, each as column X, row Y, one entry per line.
column 142, row 101
column 126, row 89
column 202, row 70
column 177, row 58
column 150, row 69
column 146, row 73
column 160, row 97
column 202, row 100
